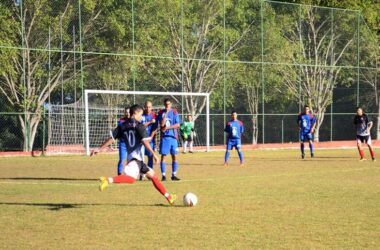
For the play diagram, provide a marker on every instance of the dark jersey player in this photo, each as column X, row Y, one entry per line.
column 134, row 134
column 306, row 125
column 363, row 127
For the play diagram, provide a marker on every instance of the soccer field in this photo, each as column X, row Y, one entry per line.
column 276, row 201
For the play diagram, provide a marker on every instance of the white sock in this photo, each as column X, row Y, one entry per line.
column 184, row 146
column 191, row 146
column 110, row 180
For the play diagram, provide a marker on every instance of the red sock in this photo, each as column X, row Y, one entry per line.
column 158, row 185
column 372, row 153
column 361, row 152
column 123, row 179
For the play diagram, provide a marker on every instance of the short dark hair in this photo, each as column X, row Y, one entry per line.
column 233, row 111
column 358, row 107
column 306, row 106
column 167, row 100
column 134, row 108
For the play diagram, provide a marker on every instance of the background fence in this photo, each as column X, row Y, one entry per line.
column 264, row 59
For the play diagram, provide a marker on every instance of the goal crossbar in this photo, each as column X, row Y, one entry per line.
column 125, row 92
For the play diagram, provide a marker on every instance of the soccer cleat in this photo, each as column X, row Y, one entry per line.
column 303, row 156
column 103, row 183
column 172, row 199
column 374, row 159
column 362, row 159
column 175, row 178
column 191, row 152
column 163, row 178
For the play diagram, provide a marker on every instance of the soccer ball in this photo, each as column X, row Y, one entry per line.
column 190, row 200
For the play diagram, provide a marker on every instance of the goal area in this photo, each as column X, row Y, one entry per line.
column 103, row 109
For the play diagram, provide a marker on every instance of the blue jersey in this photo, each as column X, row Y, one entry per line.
column 171, row 117
column 119, row 122
column 306, row 122
column 234, row 129
column 147, row 118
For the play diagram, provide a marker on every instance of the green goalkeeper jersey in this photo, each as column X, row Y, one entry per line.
column 186, row 128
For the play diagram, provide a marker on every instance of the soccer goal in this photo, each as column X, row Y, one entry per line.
column 103, row 108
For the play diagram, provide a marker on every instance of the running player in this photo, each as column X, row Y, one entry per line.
column 122, row 145
column 234, row 128
column 363, row 135
column 306, row 125
column 149, row 121
column 169, row 121
column 187, row 133
column 134, row 134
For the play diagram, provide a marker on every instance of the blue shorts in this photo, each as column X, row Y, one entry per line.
column 231, row 143
column 168, row 145
column 306, row 136
column 153, row 146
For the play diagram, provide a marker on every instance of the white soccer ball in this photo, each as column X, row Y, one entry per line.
column 190, row 200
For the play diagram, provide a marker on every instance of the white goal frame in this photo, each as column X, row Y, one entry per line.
column 94, row 91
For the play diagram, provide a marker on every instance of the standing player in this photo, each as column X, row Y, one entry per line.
column 149, row 122
column 169, row 121
column 363, row 135
column 134, row 134
column 234, row 128
column 122, row 145
column 187, row 133
column 306, row 126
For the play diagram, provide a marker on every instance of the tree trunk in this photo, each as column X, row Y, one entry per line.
column 29, row 124
column 378, row 123
column 254, row 130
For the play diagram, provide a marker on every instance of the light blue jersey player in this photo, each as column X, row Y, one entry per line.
column 234, row 128
column 122, row 145
column 169, row 121
column 149, row 122
column 306, row 125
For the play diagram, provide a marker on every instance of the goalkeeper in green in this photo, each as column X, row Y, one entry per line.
column 187, row 133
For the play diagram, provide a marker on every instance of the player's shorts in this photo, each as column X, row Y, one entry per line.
column 135, row 167
column 233, row 143
column 188, row 138
column 306, row 136
column 364, row 139
column 168, row 145
column 153, row 146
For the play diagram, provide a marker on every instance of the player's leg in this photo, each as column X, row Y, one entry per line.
column 150, row 155
column 164, row 150
column 159, row 186
column 191, row 143
column 371, row 151
column 184, row 146
column 311, row 145
column 227, row 155
column 122, row 157
column 174, row 152
column 240, row 153
column 359, row 141
column 131, row 173
column 302, row 145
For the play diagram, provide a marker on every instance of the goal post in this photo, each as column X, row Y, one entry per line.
column 147, row 95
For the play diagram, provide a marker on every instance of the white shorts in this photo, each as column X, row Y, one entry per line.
column 134, row 168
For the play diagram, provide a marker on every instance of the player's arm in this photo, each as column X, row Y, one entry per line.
column 145, row 141
column 369, row 124
column 314, row 124
column 299, row 121
column 114, row 135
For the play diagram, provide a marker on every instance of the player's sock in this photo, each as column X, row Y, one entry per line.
column 302, row 148
column 372, row 153
column 227, row 156
column 240, row 156
column 185, row 146
column 121, row 179
column 158, row 185
column 174, row 168
column 311, row 146
column 191, row 146
column 361, row 153
column 163, row 168
column 150, row 162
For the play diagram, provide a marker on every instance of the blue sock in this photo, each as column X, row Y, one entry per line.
column 302, row 148
column 227, row 156
column 174, row 168
column 163, row 168
column 240, row 156
column 311, row 148
column 150, row 162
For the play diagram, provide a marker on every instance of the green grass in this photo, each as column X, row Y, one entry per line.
column 276, row 201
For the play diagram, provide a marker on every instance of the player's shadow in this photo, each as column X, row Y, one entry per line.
column 48, row 179
column 65, row 206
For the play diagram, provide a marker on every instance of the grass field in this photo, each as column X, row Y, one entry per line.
column 276, row 201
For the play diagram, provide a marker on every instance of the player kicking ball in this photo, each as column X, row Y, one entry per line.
column 234, row 128
column 134, row 134
column 306, row 126
column 363, row 135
